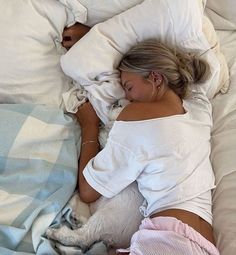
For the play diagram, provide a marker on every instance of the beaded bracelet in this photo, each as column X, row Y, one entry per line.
column 90, row 141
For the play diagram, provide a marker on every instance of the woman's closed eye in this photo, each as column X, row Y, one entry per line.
column 128, row 87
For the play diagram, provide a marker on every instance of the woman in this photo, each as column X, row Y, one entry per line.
column 162, row 141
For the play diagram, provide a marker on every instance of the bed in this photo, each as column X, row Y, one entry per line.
column 42, row 85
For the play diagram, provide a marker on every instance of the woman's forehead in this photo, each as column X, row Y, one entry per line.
column 129, row 75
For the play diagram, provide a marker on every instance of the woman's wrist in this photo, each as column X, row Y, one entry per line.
column 90, row 142
column 90, row 134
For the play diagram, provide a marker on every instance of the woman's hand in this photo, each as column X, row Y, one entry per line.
column 73, row 34
column 87, row 116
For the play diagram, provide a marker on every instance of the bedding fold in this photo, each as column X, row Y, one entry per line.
column 38, row 166
column 86, row 63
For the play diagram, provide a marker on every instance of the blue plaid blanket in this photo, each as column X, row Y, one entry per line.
column 38, row 169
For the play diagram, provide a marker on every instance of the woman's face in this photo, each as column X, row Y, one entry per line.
column 136, row 87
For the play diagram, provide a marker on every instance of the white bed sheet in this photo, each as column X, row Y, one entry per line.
column 222, row 14
column 224, row 154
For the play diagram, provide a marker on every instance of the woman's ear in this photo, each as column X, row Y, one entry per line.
column 156, row 77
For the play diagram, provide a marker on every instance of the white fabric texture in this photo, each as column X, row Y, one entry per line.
column 76, row 11
column 210, row 33
column 99, row 11
column 95, row 68
column 169, row 168
column 31, row 32
column 222, row 13
column 224, row 149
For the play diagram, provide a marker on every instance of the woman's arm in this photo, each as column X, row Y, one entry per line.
column 89, row 123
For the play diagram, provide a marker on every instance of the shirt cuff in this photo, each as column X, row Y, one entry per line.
column 96, row 185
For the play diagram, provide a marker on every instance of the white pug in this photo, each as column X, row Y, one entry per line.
column 113, row 221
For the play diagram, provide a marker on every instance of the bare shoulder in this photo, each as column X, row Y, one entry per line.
column 144, row 111
column 131, row 112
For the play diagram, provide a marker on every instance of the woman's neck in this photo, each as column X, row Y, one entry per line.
column 161, row 92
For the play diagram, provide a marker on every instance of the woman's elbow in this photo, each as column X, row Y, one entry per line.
column 85, row 198
column 88, row 195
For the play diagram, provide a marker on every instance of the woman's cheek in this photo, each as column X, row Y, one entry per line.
column 127, row 95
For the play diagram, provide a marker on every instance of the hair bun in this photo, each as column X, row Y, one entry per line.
column 192, row 69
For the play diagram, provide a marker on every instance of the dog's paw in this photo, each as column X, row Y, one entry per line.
column 68, row 237
column 63, row 235
column 54, row 233
column 77, row 221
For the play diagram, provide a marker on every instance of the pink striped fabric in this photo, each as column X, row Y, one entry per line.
column 168, row 236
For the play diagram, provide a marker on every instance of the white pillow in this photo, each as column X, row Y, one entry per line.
column 30, row 52
column 210, row 33
column 76, row 12
column 99, row 11
column 102, row 48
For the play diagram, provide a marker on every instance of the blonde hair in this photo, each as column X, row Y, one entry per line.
column 179, row 69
